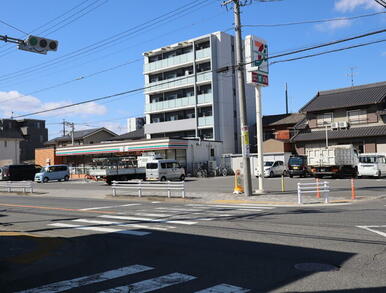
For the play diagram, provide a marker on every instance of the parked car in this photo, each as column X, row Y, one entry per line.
column 54, row 172
column 19, row 172
column 297, row 166
column 274, row 168
column 164, row 170
column 372, row 165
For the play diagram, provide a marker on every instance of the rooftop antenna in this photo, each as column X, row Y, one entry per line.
column 351, row 75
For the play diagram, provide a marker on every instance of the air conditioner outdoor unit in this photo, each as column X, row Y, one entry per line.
column 343, row 124
column 334, row 125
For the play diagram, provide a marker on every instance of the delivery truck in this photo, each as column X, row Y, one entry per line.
column 336, row 161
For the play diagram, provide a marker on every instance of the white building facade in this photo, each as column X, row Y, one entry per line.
column 188, row 95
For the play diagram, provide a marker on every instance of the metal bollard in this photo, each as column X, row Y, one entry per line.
column 282, row 183
column 353, row 194
column 326, row 191
column 114, row 192
column 299, row 194
column 139, row 189
column 169, row 189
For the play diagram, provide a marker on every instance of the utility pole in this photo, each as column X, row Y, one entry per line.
column 286, row 98
column 72, row 133
column 242, row 99
column 64, row 127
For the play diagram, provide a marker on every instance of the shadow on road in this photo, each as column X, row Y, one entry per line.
column 258, row 266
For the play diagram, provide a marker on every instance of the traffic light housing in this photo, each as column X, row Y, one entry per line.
column 39, row 45
column 42, row 43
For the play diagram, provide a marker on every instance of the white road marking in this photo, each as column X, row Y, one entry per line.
column 152, row 284
column 155, row 202
column 153, row 215
column 86, row 280
column 108, row 207
column 224, row 288
column 368, row 228
column 238, row 207
column 179, row 209
column 100, row 229
column 124, row 225
column 182, row 222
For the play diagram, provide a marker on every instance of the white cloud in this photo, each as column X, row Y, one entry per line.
column 333, row 25
column 18, row 103
column 350, row 5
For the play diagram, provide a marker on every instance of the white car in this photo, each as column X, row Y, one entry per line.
column 274, row 168
column 372, row 165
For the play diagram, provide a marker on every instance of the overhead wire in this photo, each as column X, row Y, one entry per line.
column 174, row 80
column 14, row 27
column 314, row 21
column 103, row 43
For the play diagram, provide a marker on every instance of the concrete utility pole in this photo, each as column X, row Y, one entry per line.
column 64, row 127
column 242, row 100
column 286, row 98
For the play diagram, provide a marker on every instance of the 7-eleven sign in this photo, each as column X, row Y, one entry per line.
column 256, row 58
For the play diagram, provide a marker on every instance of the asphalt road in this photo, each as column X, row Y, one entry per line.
column 82, row 245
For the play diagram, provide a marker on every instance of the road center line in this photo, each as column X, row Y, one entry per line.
column 86, row 280
column 54, row 208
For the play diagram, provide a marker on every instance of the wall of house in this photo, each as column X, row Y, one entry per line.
column 9, row 151
column 342, row 115
column 46, row 156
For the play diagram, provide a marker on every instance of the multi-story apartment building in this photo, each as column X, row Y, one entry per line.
column 187, row 96
column 354, row 115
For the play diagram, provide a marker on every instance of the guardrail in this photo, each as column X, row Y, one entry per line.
column 314, row 187
column 150, row 185
column 9, row 185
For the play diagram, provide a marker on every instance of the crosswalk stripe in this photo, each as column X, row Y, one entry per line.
column 224, row 288
column 107, row 207
column 178, row 209
column 182, row 222
column 152, row 284
column 100, row 229
column 124, row 225
column 238, row 207
column 87, row 280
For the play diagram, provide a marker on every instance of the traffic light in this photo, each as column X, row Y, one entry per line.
column 39, row 45
column 42, row 43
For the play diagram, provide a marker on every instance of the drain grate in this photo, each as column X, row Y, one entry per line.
column 315, row 267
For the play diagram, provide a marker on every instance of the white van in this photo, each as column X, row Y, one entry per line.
column 372, row 165
column 274, row 168
column 164, row 170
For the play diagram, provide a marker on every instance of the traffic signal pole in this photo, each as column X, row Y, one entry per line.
column 242, row 100
column 7, row 39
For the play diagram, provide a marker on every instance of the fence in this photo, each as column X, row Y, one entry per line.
column 149, row 185
column 314, row 187
column 10, row 185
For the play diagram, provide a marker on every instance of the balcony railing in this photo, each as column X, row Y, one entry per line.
column 205, row 121
column 176, row 60
column 180, row 81
column 171, row 126
column 177, row 103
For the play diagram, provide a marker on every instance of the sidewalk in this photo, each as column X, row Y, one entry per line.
column 73, row 190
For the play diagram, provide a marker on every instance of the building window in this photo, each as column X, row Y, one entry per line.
column 357, row 116
column 322, row 119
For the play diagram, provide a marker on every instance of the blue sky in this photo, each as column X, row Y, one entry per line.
column 32, row 82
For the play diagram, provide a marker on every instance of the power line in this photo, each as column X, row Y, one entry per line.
column 11, row 26
column 105, row 42
column 313, row 21
column 36, row 30
column 327, row 52
column 83, row 77
column 150, row 86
